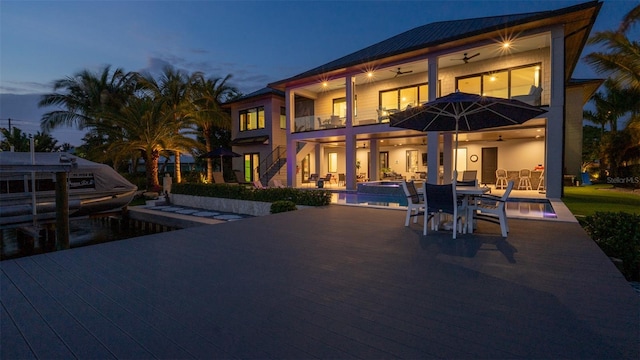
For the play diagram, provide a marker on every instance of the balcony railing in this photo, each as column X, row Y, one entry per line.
column 325, row 122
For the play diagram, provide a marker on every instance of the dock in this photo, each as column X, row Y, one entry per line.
column 333, row 282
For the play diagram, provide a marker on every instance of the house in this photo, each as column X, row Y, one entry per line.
column 334, row 117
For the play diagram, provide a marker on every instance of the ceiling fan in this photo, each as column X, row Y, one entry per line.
column 398, row 72
column 466, row 58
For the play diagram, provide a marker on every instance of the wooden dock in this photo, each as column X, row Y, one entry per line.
column 334, row 282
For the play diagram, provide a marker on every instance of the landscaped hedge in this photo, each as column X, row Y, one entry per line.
column 239, row 192
column 618, row 235
column 282, row 206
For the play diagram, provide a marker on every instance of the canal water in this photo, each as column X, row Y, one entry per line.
column 82, row 232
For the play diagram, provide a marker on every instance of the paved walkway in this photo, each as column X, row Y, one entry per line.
column 332, row 282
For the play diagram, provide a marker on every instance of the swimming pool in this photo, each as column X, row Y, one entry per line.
column 516, row 207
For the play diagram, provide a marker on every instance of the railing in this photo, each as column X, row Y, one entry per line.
column 272, row 164
column 370, row 116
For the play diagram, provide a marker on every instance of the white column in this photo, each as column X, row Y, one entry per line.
column 350, row 140
column 292, row 177
column 374, row 166
column 554, row 169
column 433, row 140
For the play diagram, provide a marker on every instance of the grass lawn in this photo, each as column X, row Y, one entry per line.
column 586, row 200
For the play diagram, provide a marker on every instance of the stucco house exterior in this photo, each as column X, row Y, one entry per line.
column 333, row 119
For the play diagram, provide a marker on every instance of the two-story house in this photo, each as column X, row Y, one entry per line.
column 335, row 118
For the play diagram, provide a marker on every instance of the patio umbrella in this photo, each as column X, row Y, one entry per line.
column 465, row 112
column 220, row 152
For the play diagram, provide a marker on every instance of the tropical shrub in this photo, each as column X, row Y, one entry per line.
column 282, row 206
column 239, row 192
column 618, row 235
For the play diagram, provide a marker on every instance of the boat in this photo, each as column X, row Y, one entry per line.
column 92, row 187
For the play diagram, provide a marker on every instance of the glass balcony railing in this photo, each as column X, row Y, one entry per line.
column 318, row 122
column 324, row 122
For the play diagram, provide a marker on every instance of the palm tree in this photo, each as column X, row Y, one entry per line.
column 21, row 142
column 208, row 115
column 85, row 95
column 622, row 58
column 146, row 126
column 173, row 90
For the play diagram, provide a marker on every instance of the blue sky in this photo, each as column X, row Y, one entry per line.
column 258, row 42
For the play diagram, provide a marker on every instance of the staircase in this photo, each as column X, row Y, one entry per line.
column 272, row 164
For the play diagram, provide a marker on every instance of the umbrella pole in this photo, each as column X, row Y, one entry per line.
column 455, row 161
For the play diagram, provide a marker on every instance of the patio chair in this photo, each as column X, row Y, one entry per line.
column 469, row 175
column 341, row 179
column 313, row 178
column 501, row 179
column 415, row 206
column 327, row 179
column 525, row 179
column 492, row 208
column 442, row 199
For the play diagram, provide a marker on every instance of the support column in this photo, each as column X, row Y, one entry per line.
column 350, row 140
column 374, row 166
column 554, row 169
column 433, row 140
column 292, row 176
column 350, row 158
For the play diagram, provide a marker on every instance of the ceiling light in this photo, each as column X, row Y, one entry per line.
column 325, row 84
column 370, row 74
column 506, row 44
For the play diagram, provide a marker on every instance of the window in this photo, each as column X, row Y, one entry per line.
column 252, row 119
column 384, row 160
column 502, row 83
column 283, row 118
column 400, row 99
column 412, row 160
column 333, row 162
column 251, row 162
column 340, row 107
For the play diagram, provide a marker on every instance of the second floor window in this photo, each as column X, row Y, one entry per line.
column 283, row 118
column 400, row 99
column 504, row 83
column 252, row 119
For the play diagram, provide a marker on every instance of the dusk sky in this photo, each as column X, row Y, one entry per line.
column 257, row 42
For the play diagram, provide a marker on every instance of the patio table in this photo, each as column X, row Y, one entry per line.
column 469, row 192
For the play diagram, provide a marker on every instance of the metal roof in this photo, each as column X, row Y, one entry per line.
column 258, row 93
column 434, row 34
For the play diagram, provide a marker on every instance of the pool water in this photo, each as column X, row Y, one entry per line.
column 516, row 207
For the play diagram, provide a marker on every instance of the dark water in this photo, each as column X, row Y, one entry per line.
column 82, row 232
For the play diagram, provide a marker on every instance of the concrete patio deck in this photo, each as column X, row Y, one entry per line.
column 332, row 282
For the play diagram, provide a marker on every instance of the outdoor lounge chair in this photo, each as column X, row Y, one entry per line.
column 492, row 208
column 240, row 178
column 258, row 185
column 218, row 178
column 278, row 184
